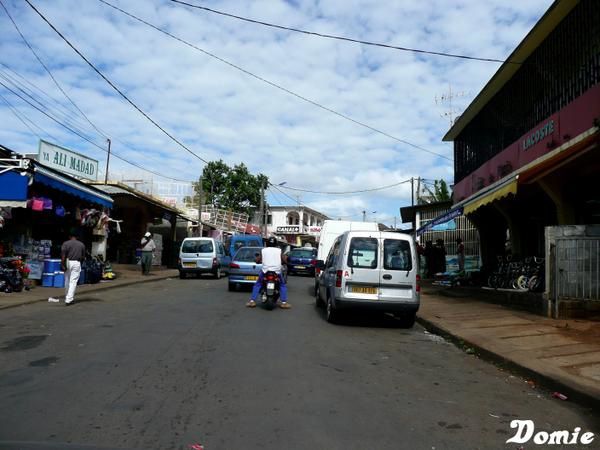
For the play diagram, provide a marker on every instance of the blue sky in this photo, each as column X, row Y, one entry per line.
column 222, row 113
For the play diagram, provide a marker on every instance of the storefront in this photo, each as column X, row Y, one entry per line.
column 40, row 205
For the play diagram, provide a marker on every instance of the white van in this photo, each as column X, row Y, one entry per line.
column 331, row 230
column 200, row 255
column 375, row 270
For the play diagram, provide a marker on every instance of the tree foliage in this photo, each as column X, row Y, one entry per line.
column 233, row 188
column 440, row 193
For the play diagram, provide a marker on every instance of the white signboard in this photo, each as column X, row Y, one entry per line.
column 67, row 161
column 288, row 229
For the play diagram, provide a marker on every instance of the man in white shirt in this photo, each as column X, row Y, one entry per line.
column 271, row 259
column 148, row 247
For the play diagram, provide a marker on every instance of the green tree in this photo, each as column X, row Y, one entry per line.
column 226, row 187
column 440, row 193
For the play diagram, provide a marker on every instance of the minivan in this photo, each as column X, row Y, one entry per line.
column 373, row 270
column 200, row 255
column 238, row 241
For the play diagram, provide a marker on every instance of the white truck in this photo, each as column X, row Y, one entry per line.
column 331, row 230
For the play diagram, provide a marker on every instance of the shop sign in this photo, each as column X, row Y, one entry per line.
column 314, row 230
column 67, row 161
column 544, row 131
column 288, row 229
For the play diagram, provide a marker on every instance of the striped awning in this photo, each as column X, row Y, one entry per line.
column 507, row 187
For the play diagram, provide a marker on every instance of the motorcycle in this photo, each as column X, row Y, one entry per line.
column 270, row 290
column 11, row 279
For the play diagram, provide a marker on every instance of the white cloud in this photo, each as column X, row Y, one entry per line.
column 220, row 112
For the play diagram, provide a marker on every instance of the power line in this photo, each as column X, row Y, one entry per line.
column 65, row 117
column 275, row 85
column 85, row 138
column 16, row 114
column 49, row 72
column 340, row 38
column 361, row 191
column 112, row 85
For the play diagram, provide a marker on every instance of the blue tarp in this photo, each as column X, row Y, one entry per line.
column 13, row 187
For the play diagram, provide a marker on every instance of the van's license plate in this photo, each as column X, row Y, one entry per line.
column 189, row 264
column 363, row 289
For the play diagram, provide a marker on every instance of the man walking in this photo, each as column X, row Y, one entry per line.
column 72, row 254
column 148, row 247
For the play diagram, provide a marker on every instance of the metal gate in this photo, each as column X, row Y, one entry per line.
column 578, row 268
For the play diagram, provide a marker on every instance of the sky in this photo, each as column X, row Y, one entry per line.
column 218, row 99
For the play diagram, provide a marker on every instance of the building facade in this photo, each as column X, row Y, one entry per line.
column 526, row 150
column 298, row 225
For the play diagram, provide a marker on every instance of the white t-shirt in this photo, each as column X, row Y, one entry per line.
column 271, row 259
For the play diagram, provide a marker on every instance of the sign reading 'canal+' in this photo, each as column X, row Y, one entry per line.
column 544, row 131
column 66, row 161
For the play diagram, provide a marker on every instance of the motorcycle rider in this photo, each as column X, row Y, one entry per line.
column 272, row 260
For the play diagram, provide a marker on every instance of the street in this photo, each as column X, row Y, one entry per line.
column 177, row 362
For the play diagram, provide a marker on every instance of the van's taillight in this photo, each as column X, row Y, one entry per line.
column 418, row 287
column 215, row 262
column 234, row 266
column 338, row 279
column 317, row 271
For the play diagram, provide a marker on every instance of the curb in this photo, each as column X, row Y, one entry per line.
column 574, row 394
column 95, row 289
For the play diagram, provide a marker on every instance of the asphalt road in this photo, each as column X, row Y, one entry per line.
column 178, row 362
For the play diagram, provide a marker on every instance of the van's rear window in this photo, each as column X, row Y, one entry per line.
column 197, row 247
column 246, row 254
column 363, row 253
column 396, row 255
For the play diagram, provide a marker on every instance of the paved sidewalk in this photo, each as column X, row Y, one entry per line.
column 126, row 275
column 562, row 355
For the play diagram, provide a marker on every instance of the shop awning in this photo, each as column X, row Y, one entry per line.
column 71, row 186
column 444, row 218
column 496, row 192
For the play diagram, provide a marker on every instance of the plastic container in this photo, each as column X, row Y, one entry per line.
column 59, row 279
column 48, row 279
column 51, row 265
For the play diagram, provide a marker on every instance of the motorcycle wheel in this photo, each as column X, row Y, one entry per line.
column 269, row 303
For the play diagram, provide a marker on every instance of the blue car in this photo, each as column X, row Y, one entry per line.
column 243, row 269
column 302, row 261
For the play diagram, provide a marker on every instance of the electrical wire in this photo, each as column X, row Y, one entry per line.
column 16, row 114
column 49, row 72
column 112, row 85
column 340, row 38
column 275, row 85
column 4, row 75
column 85, row 138
column 361, row 191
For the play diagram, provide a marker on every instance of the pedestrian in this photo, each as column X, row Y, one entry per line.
column 72, row 254
column 440, row 256
column 460, row 252
column 148, row 247
column 429, row 259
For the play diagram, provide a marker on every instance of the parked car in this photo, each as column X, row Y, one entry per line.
column 371, row 270
column 200, row 255
column 243, row 269
column 302, row 261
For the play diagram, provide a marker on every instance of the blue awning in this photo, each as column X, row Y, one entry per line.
column 446, row 217
column 13, row 186
column 71, row 186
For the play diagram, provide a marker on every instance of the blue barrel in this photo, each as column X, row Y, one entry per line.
column 51, row 265
column 48, row 279
column 59, row 279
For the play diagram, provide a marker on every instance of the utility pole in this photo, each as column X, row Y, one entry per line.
column 200, row 195
column 412, row 202
column 107, row 163
column 262, row 211
column 394, row 222
column 364, row 216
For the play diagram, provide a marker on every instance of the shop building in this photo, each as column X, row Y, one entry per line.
column 39, row 205
column 526, row 151
column 297, row 225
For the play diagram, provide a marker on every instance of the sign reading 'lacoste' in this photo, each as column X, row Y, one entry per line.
column 67, row 161
column 545, row 130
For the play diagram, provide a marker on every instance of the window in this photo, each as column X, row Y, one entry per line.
column 247, row 254
column 333, row 254
column 396, row 255
column 197, row 247
column 363, row 253
column 303, row 253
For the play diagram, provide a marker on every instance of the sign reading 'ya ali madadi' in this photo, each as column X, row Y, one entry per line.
column 67, row 161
